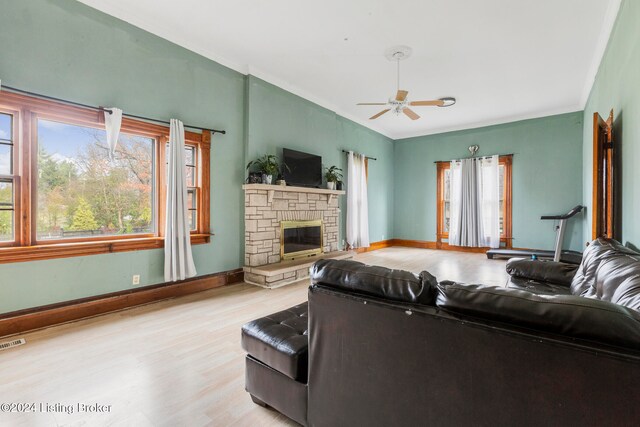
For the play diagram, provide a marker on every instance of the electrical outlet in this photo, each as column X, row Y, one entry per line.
column 136, row 279
column 382, row 237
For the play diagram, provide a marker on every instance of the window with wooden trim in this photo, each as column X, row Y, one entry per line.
column 7, row 176
column 443, row 205
column 193, row 189
column 61, row 194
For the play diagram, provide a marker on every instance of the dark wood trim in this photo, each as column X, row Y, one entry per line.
column 440, row 233
column 421, row 244
column 21, row 321
column 374, row 246
column 424, row 244
column 602, row 222
column 67, row 250
column 507, row 236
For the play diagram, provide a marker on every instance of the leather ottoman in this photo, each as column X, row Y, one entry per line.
column 277, row 361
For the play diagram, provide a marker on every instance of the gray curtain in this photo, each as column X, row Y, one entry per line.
column 467, row 229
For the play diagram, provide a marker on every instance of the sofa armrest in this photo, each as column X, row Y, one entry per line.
column 568, row 315
column 559, row 273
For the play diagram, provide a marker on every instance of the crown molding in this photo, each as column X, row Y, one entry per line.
column 491, row 122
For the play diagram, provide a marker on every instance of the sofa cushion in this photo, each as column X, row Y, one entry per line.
column 382, row 282
column 281, row 341
column 568, row 315
column 559, row 273
column 537, row 287
column 609, row 272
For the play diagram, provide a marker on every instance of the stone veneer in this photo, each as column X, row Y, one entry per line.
column 265, row 206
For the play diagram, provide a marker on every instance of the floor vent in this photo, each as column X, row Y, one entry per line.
column 9, row 344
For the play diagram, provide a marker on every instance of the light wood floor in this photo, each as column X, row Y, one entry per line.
column 176, row 362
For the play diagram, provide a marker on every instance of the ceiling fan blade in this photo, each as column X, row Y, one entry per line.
column 401, row 95
column 411, row 114
column 435, row 102
column 379, row 114
column 371, row 103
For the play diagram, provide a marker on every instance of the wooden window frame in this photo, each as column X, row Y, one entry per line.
column 506, row 237
column 26, row 111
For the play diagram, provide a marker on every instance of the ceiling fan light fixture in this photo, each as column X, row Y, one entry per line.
column 447, row 102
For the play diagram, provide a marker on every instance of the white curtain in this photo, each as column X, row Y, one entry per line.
column 178, row 259
column 475, row 202
column 357, row 203
column 455, row 195
column 112, row 124
column 490, row 198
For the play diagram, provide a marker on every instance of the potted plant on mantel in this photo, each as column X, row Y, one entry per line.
column 268, row 165
column 332, row 174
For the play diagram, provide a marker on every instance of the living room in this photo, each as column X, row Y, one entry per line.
column 92, row 312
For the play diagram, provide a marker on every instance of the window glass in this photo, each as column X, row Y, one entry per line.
column 190, row 176
column 6, row 210
column 190, row 164
column 6, row 178
column 192, row 208
column 6, row 144
column 5, row 127
column 82, row 192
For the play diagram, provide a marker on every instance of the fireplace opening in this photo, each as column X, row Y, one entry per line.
column 300, row 239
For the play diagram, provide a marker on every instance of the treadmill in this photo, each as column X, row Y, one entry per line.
column 571, row 257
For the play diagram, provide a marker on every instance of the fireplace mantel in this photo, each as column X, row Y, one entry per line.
column 271, row 189
column 265, row 208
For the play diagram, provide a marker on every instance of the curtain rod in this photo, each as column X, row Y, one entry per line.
column 26, row 92
column 369, row 158
column 481, row 157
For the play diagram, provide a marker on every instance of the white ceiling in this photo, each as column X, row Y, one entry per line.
column 503, row 60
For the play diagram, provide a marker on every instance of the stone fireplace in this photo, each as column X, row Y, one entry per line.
column 286, row 230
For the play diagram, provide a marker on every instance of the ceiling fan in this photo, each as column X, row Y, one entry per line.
column 400, row 104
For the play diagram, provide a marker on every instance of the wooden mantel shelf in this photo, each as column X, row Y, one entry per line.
column 271, row 189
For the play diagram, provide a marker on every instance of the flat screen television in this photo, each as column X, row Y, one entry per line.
column 304, row 169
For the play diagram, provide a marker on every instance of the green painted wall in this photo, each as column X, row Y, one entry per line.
column 617, row 86
column 278, row 119
column 65, row 49
column 547, row 171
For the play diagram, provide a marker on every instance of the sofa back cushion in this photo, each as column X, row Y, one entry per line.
column 610, row 272
column 568, row 315
column 381, row 282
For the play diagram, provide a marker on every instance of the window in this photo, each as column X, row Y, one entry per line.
column 78, row 200
column 444, row 200
column 191, row 173
column 7, row 178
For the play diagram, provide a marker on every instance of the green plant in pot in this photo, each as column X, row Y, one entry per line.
column 268, row 165
column 332, row 174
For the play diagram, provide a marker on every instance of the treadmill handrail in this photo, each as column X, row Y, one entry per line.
column 568, row 215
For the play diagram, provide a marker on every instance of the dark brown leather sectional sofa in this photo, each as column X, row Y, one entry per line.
column 559, row 346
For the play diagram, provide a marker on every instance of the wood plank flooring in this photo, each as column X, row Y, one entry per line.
column 176, row 362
